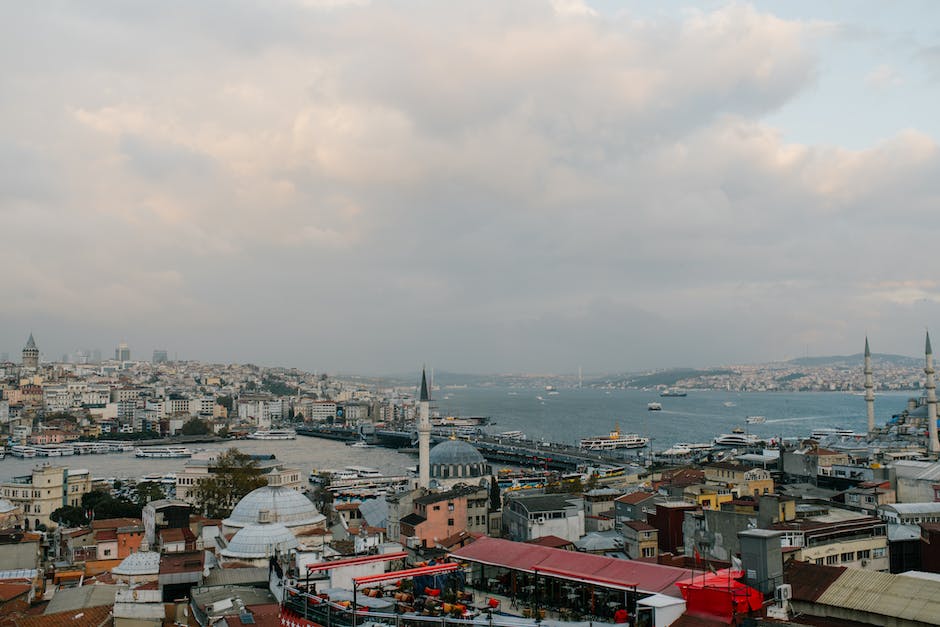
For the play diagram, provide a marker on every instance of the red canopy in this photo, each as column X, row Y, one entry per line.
column 719, row 595
column 405, row 574
column 356, row 561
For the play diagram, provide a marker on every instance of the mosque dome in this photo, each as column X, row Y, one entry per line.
column 456, row 459
column 137, row 564
column 260, row 540
column 283, row 505
column 6, row 506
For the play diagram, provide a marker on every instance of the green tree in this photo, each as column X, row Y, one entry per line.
column 235, row 475
column 69, row 516
column 225, row 401
column 496, row 500
column 194, row 426
column 149, row 491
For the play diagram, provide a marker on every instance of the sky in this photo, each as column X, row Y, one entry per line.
column 487, row 186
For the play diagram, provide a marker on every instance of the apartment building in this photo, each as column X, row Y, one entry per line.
column 45, row 490
column 838, row 537
column 203, row 465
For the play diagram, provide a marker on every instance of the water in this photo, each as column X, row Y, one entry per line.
column 304, row 453
column 566, row 417
column 577, row 413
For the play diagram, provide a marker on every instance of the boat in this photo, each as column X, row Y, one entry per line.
column 613, row 441
column 359, row 444
column 23, row 451
column 737, row 439
column 513, row 435
column 824, row 432
column 694, row 446
column 755, row 420
column 273, row 434
column 163, row 452
column 654, row 407
column 729, row 404
column 671, row 392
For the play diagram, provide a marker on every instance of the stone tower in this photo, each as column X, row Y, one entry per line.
column 30, row 353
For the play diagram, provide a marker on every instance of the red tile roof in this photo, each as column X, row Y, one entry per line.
column 550, row 541
column 85, row 617
column 529, row 557
column 106, row 535
column 181, row 562
column 634, row 497
column 12, row 589
column 114, row 523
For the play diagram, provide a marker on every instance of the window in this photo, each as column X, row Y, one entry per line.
column 848, row 557
column 819, row 561
column 436, row 508
column 649, row 552
column 832, row 560
column 450, row 507
column 864, row 555
column 450, row 522
column 876, row 553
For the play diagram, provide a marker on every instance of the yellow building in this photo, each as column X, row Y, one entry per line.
column 741, row 480
column 45, row 490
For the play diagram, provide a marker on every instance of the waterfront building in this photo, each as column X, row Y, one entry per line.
column 30, row 354
column 45, row 490
column 202, row 465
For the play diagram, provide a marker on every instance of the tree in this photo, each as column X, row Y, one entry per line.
column 496, row 501
column 149, row 491
column 103, row 505
column 235, row 475
column 194, row 426
column 69, row 516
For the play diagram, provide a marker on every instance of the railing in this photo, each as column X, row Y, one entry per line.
column 330, row 614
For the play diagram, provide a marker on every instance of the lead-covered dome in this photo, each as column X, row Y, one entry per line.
column 456, row 459
column 256, row 541
column 283, row 505
column 137, row 564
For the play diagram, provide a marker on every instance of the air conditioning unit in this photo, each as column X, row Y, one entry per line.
column 865, row 563
column 783, row 592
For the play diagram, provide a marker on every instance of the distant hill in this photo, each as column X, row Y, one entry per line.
column 854, row 360
column 671, row 376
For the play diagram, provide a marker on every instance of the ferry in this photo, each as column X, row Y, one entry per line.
column 755, row 420
column 671, row 392
column 737, row 439
column 614, row 441
column 513, row 435
column 118, row 446
column 163, row 452
column 54, row 450
column 23, row 451
column 824, row 432
column 654, row 407
column 273, row 434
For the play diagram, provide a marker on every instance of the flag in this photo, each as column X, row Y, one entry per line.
column 698, row 556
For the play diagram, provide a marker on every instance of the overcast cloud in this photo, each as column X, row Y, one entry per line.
column 482, row 186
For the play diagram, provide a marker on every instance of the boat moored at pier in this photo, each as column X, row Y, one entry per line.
column 163, row 452
column 614, row 440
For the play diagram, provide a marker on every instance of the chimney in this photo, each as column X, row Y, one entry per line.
column 264, row 517
column 761, row 558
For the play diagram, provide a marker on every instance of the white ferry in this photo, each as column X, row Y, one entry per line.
column 614, row 441
column 755, row 420
column 513, row 435
column 273, row 434
column 54, row 450
column 163, row 452
column 824, row 432
column 737, row 439
column 118, row 446
column 23, row 451
column 654, row 406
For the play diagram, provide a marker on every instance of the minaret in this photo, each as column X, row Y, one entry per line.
column 424, row 434
column 933, row 446
column 869, row 390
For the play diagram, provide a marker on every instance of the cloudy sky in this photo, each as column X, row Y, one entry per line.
column 481, row 186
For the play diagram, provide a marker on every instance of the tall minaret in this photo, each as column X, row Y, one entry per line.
column 933, row 446
column 869, row 389
column 424, row 434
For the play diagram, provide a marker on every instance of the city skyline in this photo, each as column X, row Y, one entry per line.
column 355, row 187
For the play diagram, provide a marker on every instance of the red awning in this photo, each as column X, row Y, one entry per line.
column 437, row 569
column 357, row 561
column 614, row 573
column 583, row 578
